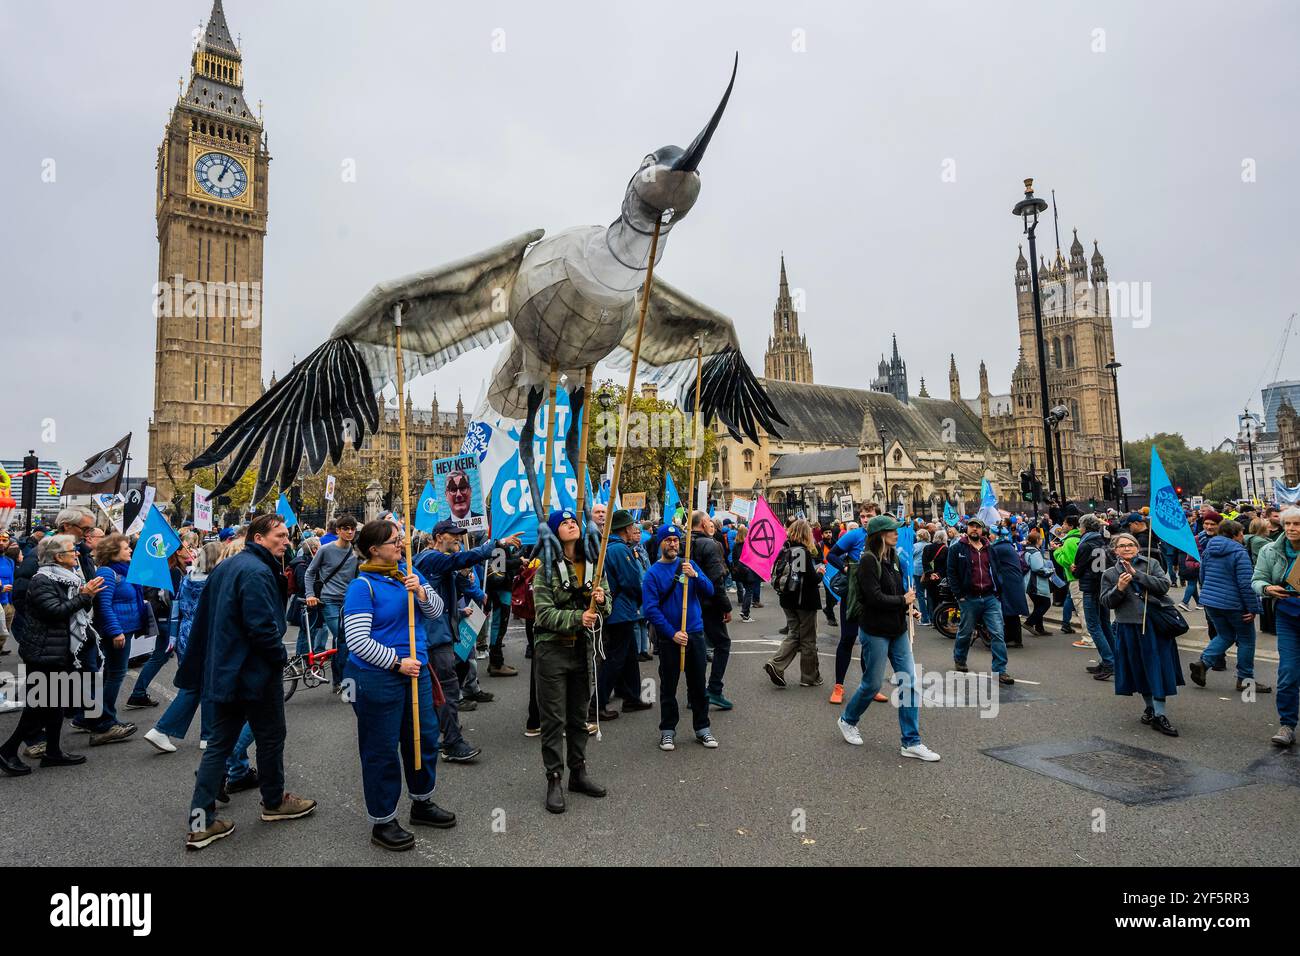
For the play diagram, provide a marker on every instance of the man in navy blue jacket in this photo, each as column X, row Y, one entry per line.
column 661, row 601
column 625, row 568
column 440, row 566
column 236, row 658
column 974, row 582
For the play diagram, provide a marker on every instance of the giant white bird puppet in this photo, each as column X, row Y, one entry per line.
column 570, row 300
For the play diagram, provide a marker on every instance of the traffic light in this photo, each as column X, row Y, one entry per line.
column 1092, row 504
column 1026, row 485
column 295, row 498
column 1178, row 489
column 30, row 462
column 1108, row 488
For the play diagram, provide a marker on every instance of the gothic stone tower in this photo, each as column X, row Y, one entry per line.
column 1080, row 343
column 787, row 358
column 211, row 214
column 891, row 376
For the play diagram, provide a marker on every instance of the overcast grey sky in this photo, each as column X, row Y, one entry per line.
column 835, row 155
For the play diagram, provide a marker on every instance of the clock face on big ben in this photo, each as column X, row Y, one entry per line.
column 220, row 175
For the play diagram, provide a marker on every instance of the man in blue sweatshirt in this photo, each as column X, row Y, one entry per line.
column 661, row 601
column 440, row 566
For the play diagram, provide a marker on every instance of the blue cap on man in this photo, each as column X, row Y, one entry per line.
column 447, row 526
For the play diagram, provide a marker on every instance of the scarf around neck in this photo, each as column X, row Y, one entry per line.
column 385, row 569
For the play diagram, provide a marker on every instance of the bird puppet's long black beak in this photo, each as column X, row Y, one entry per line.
column 690, row 160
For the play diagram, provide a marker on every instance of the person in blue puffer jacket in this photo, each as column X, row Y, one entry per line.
column 119, row 615
column 1230, row 604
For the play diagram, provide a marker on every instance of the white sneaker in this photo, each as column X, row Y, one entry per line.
column 160, row 741
column 1182, row 606
column 1084, row 642
column 850, row 732
column 920, row 752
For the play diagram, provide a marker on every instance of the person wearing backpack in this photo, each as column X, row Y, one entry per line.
column 625, row 567
column 1011, row 585
column 884, row 605
column 1038, row 581
column 797, row 578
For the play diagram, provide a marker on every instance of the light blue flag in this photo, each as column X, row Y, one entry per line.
column 1167, row 518
column 1282, row 495
column 284, row 511
column 949, row 514
column 988, row 512
column 672, row 501
column 906, row 545
column 426, row 509
column 149, row 559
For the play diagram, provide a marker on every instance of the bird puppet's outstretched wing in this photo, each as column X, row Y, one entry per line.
column 328, row 398
column 731, row 391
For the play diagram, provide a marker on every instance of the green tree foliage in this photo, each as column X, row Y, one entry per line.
column 1213, row 474
column 659, row 441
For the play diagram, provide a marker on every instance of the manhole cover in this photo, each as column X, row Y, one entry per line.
column 1282, row 766
column 1123, row 768
column 1127, row 774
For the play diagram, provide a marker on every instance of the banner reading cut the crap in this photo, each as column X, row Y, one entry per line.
column 495, row 441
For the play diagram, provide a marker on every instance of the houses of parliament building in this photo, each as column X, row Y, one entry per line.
column 882, row 443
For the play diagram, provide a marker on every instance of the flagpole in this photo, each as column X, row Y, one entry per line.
column 627, row 402
column 1146, row 592
column 690, row 488
column 548, row 466
column 580, row 552
column 406, row 533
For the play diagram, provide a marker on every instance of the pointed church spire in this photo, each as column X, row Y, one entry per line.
column 216, row 35
column 922, row 393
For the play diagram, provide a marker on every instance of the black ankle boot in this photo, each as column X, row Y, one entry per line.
column 554, row 793
column 426, row 813
column 579, row 782
column 391, row 836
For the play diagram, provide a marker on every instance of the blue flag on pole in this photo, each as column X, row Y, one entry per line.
column 1167, row 518
column 284, row 511
column 426, row 509
column 988, row 512
column 949, row 514
column 158, row 541
column 672, row 501
column 906, row 545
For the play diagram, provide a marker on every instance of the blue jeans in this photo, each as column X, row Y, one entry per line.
column 386, row 739
column 922, row 601
column 313, row 620
column 1067, row 608
column 987, row 609
column 237, row 766
column 898, row 651
column 155, row 662
column 1230, row 629
column 115, row 661
column 176, row 719
column 1288, row 671
column 1192, row 591
column 500, row 616
column 1097, row 620
column 332, row 614
column 642, row 638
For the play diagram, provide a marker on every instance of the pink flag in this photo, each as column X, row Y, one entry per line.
column 763, row 541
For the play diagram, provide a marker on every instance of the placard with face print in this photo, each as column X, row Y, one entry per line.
column 458, row 492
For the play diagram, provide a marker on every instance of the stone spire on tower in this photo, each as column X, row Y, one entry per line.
column 787, row 358
column 954, row 384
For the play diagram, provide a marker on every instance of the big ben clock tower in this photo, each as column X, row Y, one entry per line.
column 211, row 213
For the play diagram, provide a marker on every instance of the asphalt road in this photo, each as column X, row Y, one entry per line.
column 783, row 788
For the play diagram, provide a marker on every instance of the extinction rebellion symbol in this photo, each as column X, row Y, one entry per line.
column 762, row 539
column 155, row 546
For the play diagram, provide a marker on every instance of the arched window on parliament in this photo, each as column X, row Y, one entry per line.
column 749, row 459
column 1069, row 351
column 1056, row 352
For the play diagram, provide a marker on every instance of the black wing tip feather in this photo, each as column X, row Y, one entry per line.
column 305, row 415
column 731, row 391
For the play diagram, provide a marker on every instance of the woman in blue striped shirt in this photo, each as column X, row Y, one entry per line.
column 378, row 677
